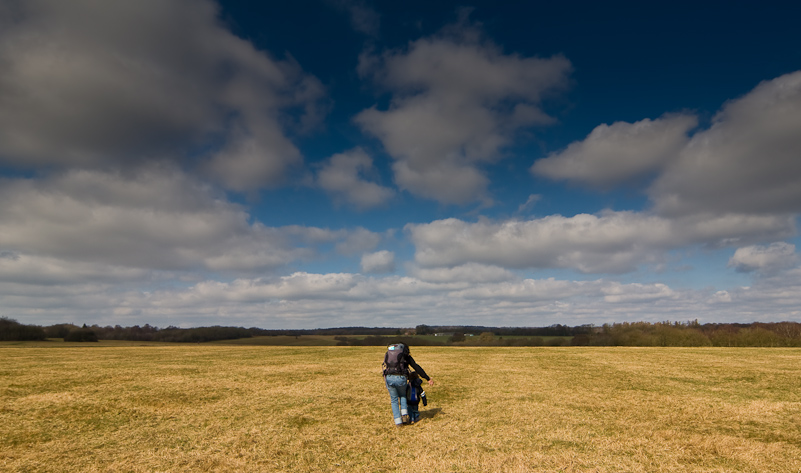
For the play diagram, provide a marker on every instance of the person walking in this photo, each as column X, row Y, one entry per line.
column 397, row 361
column 414, row 395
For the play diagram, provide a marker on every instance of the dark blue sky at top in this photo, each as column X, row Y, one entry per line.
column 630, row 61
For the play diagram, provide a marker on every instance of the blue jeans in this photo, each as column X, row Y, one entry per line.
column 396, row 385
column 414, row 413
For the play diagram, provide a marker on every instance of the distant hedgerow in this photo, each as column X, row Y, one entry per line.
column 81, row 335
column 11, row 330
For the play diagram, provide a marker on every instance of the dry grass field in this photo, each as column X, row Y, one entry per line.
column 230, row 408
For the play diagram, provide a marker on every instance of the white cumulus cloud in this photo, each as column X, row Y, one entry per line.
column 469, row 272
column 615, row 153
column 765, row 259
column 613, row 242
column 748, row 161
column 456, row 102
column 637, row 293
column 378, row 262
column 335, row 299
column 344, row 176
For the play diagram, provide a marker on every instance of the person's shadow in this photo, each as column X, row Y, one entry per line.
column 430, row 413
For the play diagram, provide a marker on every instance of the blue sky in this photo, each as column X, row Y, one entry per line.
column 340, row 162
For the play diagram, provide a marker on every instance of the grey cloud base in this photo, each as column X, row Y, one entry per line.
column 82, row 86
column 748, row 161
column 158, row 219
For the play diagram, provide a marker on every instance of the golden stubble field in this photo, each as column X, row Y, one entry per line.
column 232, row 408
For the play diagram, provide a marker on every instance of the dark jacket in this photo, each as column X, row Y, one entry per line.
column 416, row 385
column 417, row 368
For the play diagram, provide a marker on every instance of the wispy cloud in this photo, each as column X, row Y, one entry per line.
column 344, row 176
column 379, row 262
column 363, row 18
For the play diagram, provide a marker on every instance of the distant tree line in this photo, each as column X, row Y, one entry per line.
column 457, row 339
column 377, row 340
column 172, row 334
column 82, row 334
column 341, row 331
column 666, row 334
column 149, row 333
column 693, row 334
column 11, row 330
column 556, row 330
column 688, row 334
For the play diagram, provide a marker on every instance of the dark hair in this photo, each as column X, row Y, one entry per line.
column 413, row 376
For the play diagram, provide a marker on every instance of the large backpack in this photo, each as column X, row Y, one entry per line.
column 395, row 359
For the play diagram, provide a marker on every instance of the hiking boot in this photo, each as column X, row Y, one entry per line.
column 405, row 419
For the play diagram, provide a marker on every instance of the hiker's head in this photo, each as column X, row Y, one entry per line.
column 413, row 376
